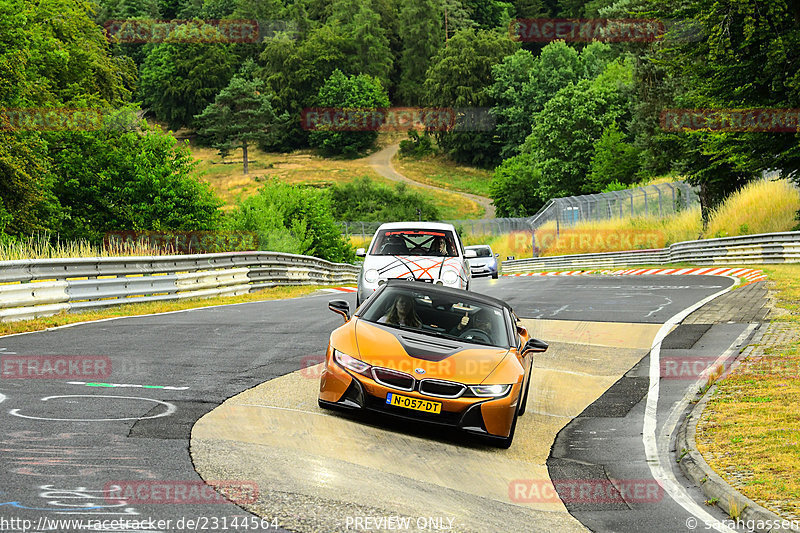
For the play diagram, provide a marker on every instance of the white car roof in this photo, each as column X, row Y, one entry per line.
column 416, row 225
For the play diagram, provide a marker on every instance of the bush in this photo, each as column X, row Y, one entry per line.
column 292, row 219
column 362, row 92
column 515, row 187
column 365, row 200
column 417, row 146
column 109, row 181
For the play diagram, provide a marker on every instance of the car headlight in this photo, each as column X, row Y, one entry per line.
column 450, row 277
column 488, row 391
column 371, row 276
column 350, row 363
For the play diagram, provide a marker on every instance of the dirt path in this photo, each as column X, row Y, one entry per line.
column 381, row 161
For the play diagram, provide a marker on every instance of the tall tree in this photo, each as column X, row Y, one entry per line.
column 420, row 28
column 460, row 77
column 746, row 54
column 241, row 115
column 179, row 79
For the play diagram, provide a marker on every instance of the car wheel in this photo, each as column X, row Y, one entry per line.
column 524, row 403
column 322, row 404
column 494, row 275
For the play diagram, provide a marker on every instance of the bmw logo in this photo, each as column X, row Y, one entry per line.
column 419, row 370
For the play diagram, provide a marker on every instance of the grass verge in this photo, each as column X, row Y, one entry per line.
column 750, row 431
column 441, row 171
column 148, row 308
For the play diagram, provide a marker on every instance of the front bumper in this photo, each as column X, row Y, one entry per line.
column 491, row 417
column 483, row 270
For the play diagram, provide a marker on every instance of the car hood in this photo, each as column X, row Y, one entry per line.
column 413, row 267
column 436, row 357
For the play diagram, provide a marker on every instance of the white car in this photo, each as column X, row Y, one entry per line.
column 485, row 264
column 430, row 252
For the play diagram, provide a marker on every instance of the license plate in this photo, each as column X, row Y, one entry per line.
column 416, row 404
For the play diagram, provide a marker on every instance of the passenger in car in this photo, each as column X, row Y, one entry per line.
column 481, row 320
column 402, row 313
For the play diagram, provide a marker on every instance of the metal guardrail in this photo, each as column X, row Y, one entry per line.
column 40, row 287
column 765, row 248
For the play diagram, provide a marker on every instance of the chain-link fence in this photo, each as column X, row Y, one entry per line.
column 659, row 200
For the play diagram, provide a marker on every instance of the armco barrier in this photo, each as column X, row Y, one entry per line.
column 765, row 248
column 40, row 287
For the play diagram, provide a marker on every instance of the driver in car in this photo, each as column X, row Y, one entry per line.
column 482, row 320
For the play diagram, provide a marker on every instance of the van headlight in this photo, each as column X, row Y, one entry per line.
column 371, row 276
column 450, row 277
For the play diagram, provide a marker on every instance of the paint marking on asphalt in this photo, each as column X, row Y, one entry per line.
column 662, row 473
column 170, row 409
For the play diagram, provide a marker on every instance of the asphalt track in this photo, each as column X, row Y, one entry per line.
column 64, row 444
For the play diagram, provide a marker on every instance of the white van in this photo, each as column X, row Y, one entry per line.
column 430, row 252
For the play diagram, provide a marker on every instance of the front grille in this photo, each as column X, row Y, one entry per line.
column 441, row 389
column 393, row 378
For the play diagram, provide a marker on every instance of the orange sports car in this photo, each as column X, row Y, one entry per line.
column 432, row 353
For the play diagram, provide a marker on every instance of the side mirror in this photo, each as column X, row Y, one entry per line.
column 361, row 252
column 340, row 307
column 534, row 345
column 470, row 254
column 497, row 255
column 510, row 258
column 522, row 330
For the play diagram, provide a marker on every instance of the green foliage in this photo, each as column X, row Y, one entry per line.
column 365, row 200
column 241, row 115
column 614, row 160
column 460, row 77
column 180, row 79
column 108, row 181
column 523, row 84
column 417, row 145
column 421, row 33
column 292, row 219
column 354, row 92
column 565, row 131
column 515, row 187
column 371, row 45
column 489, row 14
column 746, row 57
column 615, row 186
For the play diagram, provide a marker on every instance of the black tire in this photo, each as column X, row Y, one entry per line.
column 322, row 404
column 494, row 276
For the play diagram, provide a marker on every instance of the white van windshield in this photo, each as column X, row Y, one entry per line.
column 437, row 243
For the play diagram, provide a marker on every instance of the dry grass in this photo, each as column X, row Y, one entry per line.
column 442, row 172
column 750, row 430
column 39, row 246
column 38, row 324
column 305, row 167
column 616, row 234
column 759, row 207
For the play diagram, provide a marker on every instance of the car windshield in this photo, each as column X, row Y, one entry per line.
column 442, row 315
column 481, row 251
column 438, row 243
